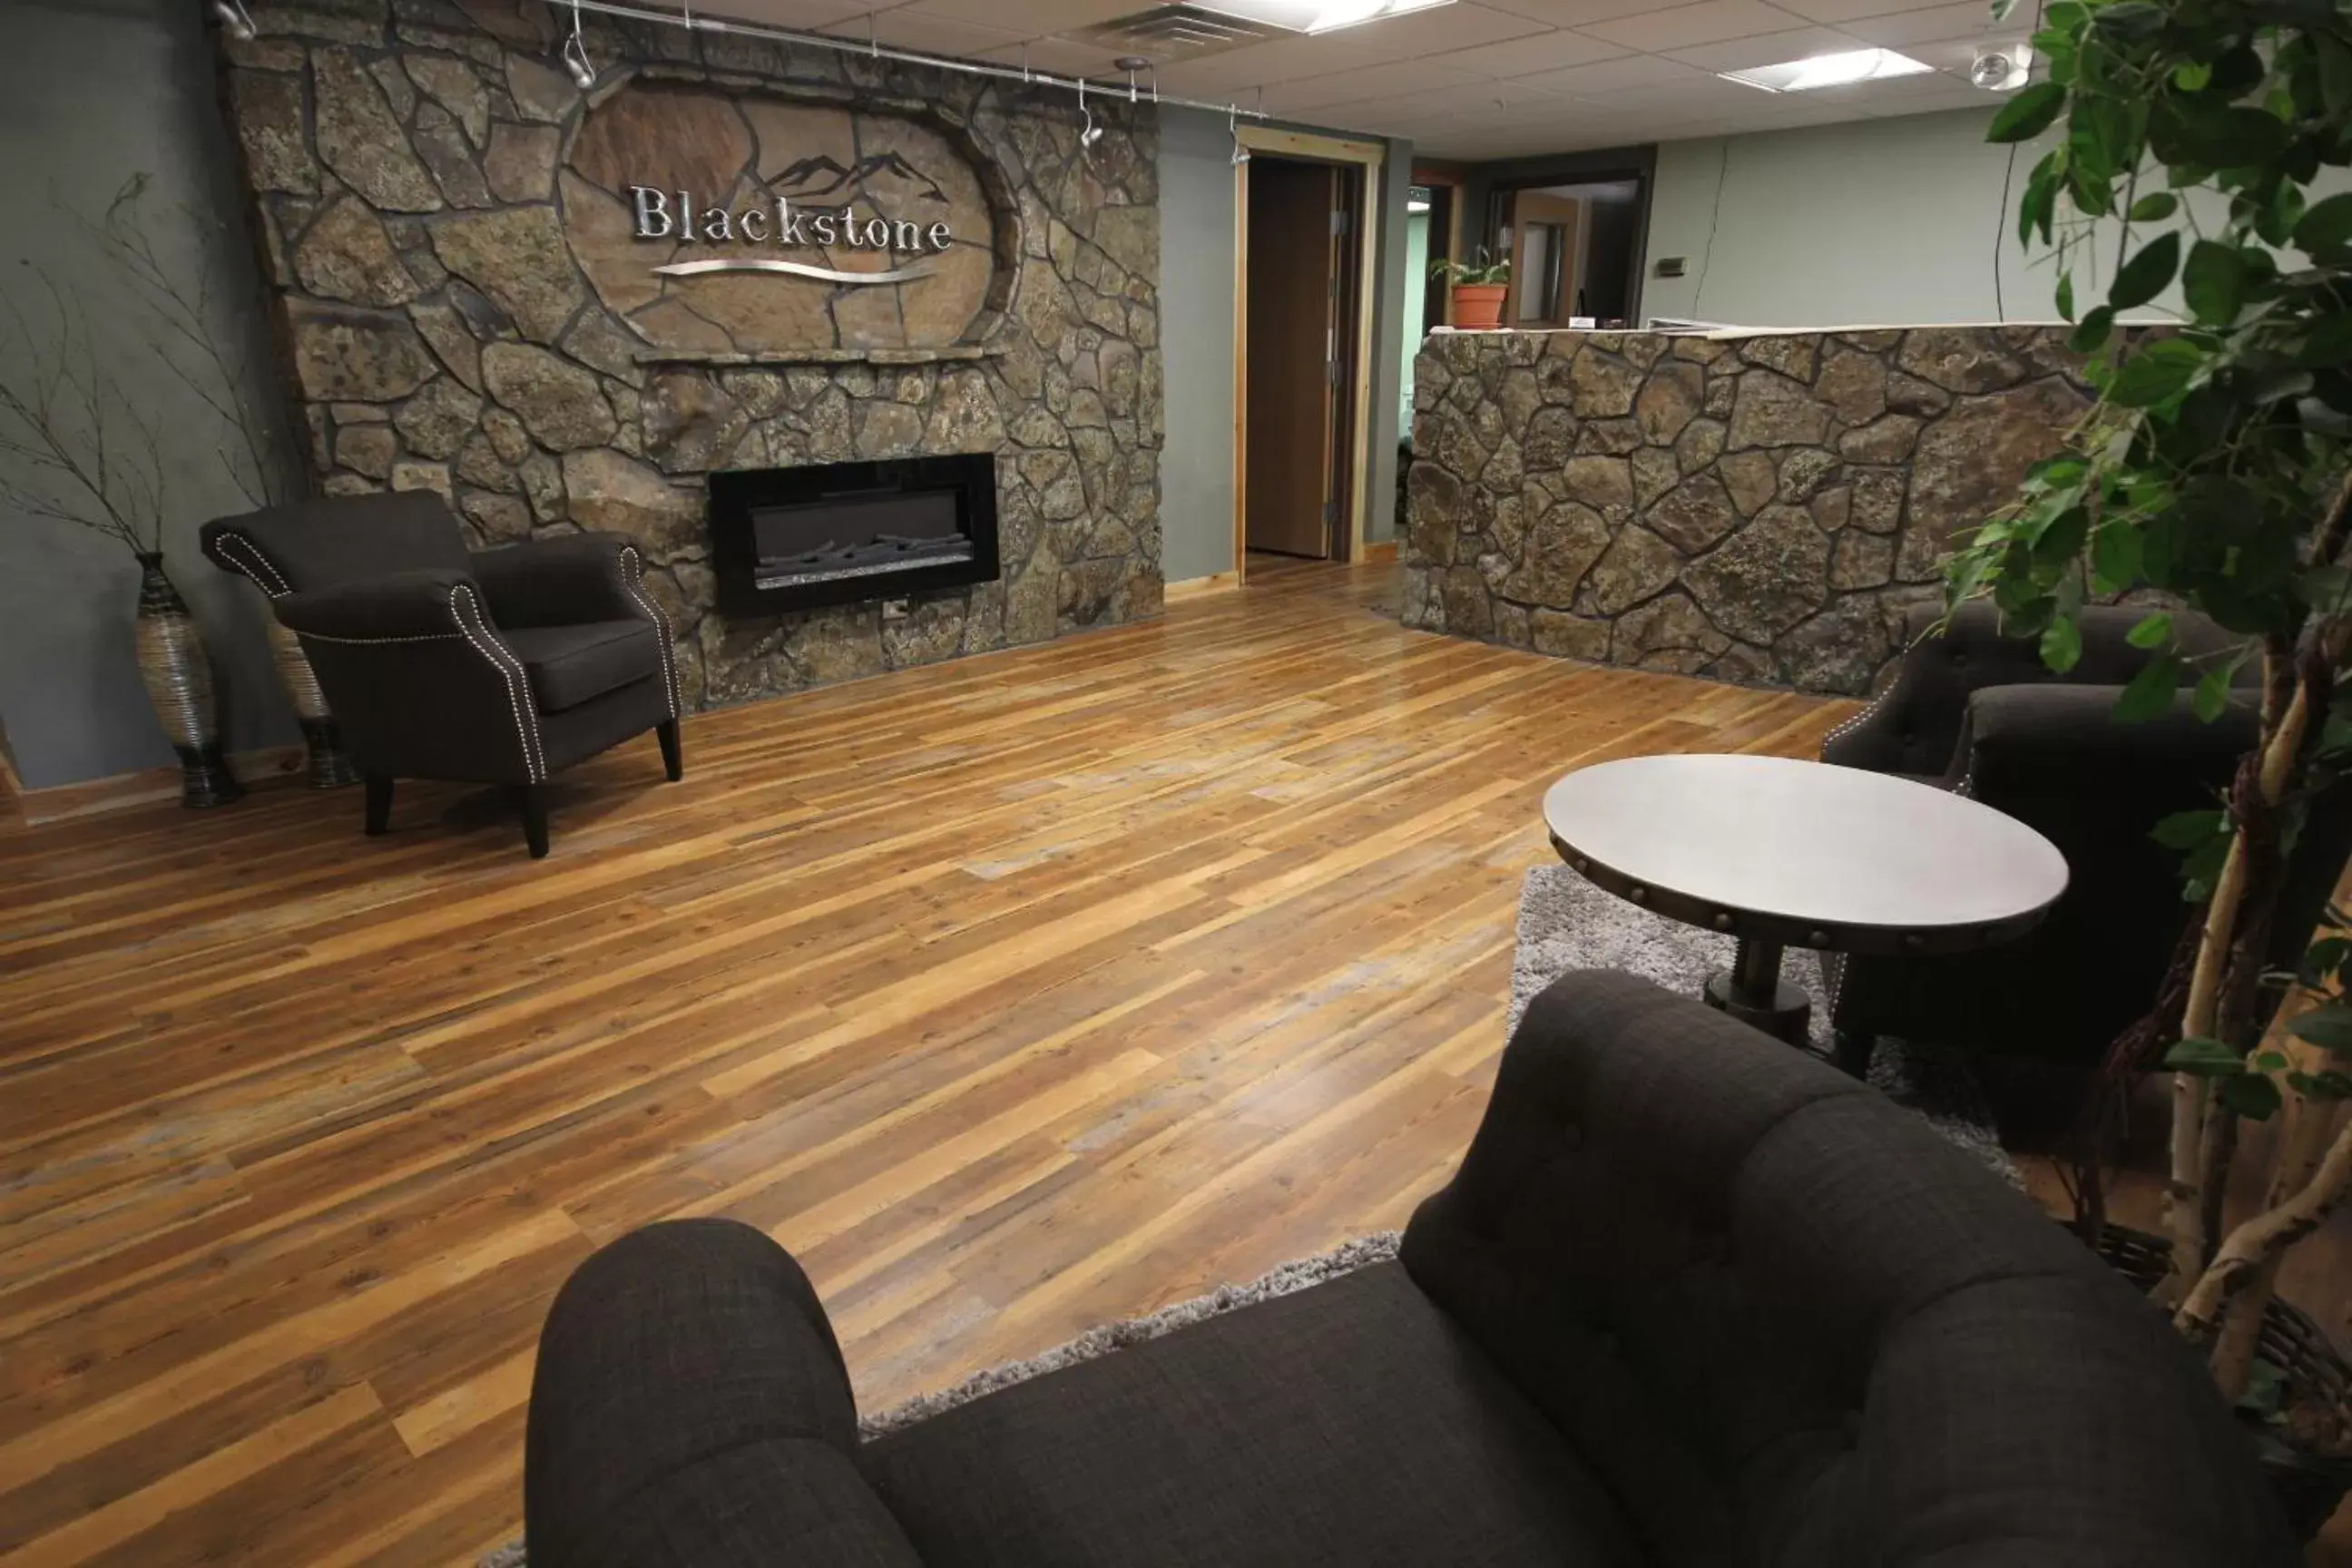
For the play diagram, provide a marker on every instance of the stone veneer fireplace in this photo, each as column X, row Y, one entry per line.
column 471, row 302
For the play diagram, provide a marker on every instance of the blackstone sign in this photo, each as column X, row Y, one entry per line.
column 663, row 214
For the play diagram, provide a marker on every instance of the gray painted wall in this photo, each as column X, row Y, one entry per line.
column 1196, row 288
column 1196, row 344
column 91, row 93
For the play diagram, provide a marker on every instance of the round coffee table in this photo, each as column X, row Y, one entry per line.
column 1780, row 853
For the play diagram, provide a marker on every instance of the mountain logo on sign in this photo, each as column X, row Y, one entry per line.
column 799, row 179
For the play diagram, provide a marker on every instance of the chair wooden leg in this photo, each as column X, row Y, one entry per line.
column 1852, row 1050
column 530, row 802
column 673, row 759
column 379, row 802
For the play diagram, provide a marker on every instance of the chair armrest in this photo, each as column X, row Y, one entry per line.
column 398, row 607
column 2016, row 738
column 690, row 1407
column 564, row 581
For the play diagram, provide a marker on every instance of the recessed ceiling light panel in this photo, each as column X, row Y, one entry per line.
column 1316, row 16
column 1828, row 70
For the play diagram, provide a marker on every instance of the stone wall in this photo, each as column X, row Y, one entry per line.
column 466, row 308
column 1754, row 508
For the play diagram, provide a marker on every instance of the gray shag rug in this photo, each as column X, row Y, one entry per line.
column 1567, row 923
column 1282, row 1281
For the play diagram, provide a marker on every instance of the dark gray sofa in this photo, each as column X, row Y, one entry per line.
column 1693, row 1299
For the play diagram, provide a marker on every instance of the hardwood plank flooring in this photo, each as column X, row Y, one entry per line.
column 1012, row 993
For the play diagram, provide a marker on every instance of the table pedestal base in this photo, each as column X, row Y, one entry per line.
column 1752, row 991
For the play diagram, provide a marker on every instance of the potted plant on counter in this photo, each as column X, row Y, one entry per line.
column 2212, row 468
column 1477, row 289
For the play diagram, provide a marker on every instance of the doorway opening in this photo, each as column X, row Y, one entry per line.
column 1575, row 252
column 1305, row 220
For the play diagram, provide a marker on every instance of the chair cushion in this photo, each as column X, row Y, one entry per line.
column 1351, row 1424
column 570, row 664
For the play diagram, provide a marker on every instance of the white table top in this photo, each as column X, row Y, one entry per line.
column 1805, row 841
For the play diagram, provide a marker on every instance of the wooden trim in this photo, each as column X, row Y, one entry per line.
column 1199, row 588
column 1306, row 144
column 91, row 797
column 1241, row 372
column 1373, row 158
column 1381, row 549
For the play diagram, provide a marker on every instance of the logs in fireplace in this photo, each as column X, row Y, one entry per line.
column 835, row 533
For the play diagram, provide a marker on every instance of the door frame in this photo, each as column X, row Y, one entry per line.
column 1371, row 157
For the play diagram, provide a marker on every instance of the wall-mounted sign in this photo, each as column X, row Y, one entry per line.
column 799, row 221
column 712, row 219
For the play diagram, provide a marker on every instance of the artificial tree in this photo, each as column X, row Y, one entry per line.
column 2185, row 139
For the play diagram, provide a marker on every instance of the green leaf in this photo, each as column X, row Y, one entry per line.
column 2092, row 334
column 2334, row 73
column 2149, row 631
column 2062, row 644
column 2254, row 1096
column 2158, row 372
column 2028, row 114
column 2270, row 1062
column 2131, row 20
column 2155, row 209
column 2114, row 557
column 2323, row 958
column 2214, row 282
column 2066, row 296
column 2328, row 1028
column 2326, row 227
column 2150, row 691
column 2328, row 1085
column 2212, row 693
column 2188, row 830
column 2203, row 1058
column 2191, row 76
column 2143, row 276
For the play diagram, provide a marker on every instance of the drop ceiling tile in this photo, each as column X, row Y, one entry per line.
column 1030, row 18
column 1683, row 26
column 1934, row 25
column 934, row 35
column 1371, row 81
column 1525, row 57
column 1572, row 13
column 1703, row 95
column 806, row 14
column 1609, row 76
column 1286, row 59
column 1419, row 34
column 1843, row 11
column 1770, row 50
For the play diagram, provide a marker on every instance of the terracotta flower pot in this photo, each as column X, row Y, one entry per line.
column 1478, row 307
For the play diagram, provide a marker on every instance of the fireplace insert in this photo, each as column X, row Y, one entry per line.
column 835, row 533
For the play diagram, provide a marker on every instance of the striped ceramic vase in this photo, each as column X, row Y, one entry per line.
column 179, row 680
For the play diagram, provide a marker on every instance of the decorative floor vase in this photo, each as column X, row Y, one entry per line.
column 179, row 679
column 331, row 766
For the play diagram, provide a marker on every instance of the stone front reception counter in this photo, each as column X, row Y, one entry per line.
column 1758, row 507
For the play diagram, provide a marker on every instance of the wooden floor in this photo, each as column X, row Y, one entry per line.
column 1012, row 995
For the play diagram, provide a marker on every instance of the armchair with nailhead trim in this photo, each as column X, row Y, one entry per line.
column 1973, row 710
column 497, row 666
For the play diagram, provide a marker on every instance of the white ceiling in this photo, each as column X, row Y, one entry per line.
column 1487, row 79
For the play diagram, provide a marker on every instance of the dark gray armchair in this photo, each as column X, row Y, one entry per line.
column 1974, row 711
column 499, row 667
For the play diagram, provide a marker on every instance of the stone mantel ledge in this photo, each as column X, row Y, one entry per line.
column 1760, row 506
column 734, row 358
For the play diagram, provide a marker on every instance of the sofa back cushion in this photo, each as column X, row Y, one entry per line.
column 1833, row 1337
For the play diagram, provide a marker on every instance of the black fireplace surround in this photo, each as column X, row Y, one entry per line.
column 838, row 533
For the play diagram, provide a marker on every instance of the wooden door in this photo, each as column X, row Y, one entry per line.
column 1546, row 251
column 1289, row 344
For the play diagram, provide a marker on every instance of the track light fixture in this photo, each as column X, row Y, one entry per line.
column 575, row 55
column 1233, row 129
column 1092, row 132
column 235, row 19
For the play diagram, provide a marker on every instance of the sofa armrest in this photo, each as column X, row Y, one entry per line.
column 691, row 1410
column 396, row 607
column 565, row 580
